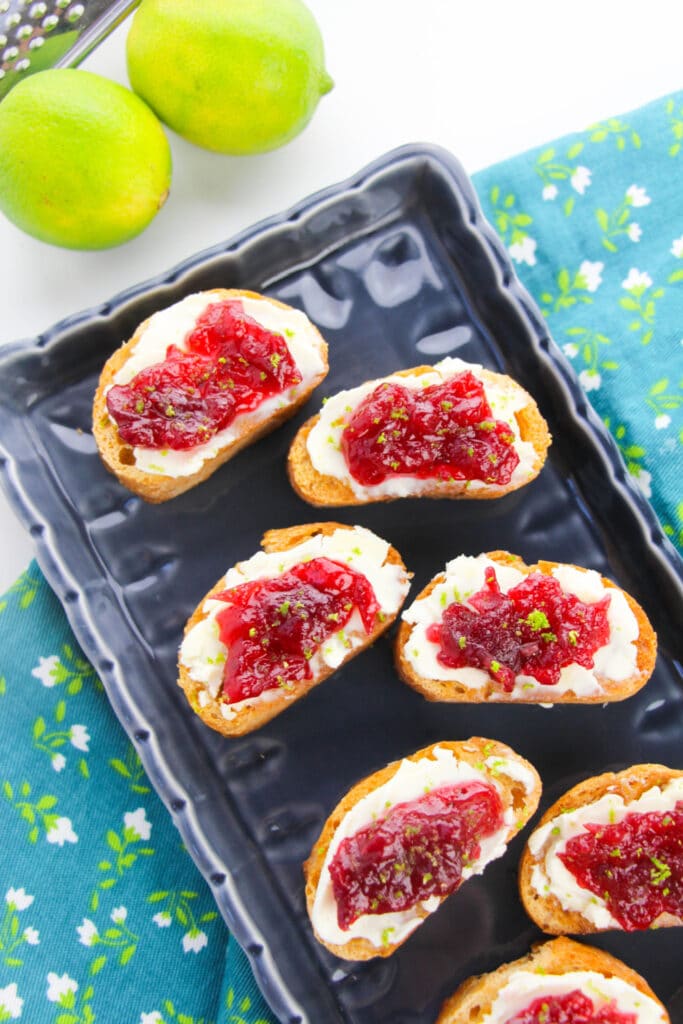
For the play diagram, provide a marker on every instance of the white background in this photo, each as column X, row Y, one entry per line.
column 483, row 79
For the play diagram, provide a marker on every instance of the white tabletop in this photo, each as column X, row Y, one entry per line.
column 484, row 79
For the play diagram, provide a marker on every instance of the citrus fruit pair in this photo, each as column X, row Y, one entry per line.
column 84, row 163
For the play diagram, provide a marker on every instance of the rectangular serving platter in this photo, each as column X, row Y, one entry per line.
column 397, row 267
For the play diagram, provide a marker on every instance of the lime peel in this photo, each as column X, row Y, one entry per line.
column 233, row 76
column 84, row 163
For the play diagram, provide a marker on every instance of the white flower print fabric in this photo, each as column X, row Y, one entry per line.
column 612, row 292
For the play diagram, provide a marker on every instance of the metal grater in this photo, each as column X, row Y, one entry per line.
column 39, row 34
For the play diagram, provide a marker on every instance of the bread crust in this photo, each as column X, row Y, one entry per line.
column 472, row 1001
column 322, row 491
column 547, row 911
column 253, row 716
column 474, row 751
column 454, row 691
column 117, row 454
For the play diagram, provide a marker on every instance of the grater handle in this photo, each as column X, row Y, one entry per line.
column 109, row 15
column 40, row 34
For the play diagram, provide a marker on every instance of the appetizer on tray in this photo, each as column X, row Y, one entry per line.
column 453, row 430
column 199, row 381
column 405, row 838
column 490, row 628
column 281, row 622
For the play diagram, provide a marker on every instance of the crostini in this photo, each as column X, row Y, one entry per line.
column 490, row 628
column 452, row 430
column 199, row 381
column 279, row 623
column 608, row 855
column 559, row 980
column 406, row 837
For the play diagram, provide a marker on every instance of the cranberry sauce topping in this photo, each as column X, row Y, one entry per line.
column 635, row 865
column 534, row 629
column 417, row 850
column 445, row 432
column 230, row 365
column 573, row 1008
column 272, row 627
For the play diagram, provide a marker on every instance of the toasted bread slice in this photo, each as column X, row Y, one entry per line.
column 202, row 655
column 556, row 967
column 558, row 912
column 167, row 476
column 417, row 663
column 516, row 782
column 322, row 482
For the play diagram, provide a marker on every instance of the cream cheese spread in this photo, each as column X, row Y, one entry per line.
column 524, row 987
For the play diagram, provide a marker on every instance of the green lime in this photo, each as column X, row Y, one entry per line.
column 84, row 163
column 236, row 76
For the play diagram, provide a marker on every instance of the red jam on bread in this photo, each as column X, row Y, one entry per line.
column 229, row 365
column 406, row 837
column 279, row 623
column 558, row 982
column 445, row 431
column 635, row 865
column 573, row 1008
column 415, row 851
column 272, row 627
column 534, row 629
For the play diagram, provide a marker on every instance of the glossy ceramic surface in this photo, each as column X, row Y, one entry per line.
column 397, row 268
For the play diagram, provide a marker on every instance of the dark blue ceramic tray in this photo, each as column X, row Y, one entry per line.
column 397, row 267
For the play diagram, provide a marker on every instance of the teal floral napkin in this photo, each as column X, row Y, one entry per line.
column 103, row 916
column 594, row 225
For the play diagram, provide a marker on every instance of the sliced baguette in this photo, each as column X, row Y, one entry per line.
column 473, row 1000
column 252, row 714
column 456, row 690
column 519, row 795
column 119, row 457
column 547, row 910
column 323, row 490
